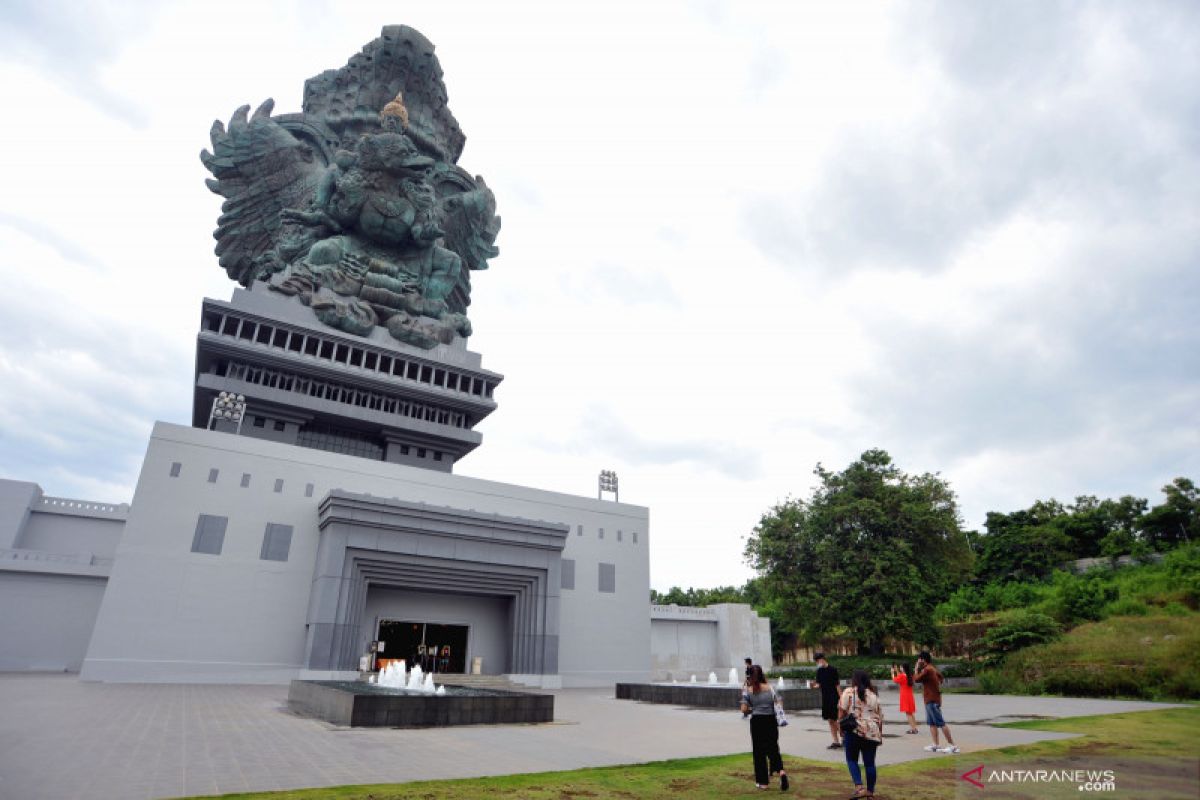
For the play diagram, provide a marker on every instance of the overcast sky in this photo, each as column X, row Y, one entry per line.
column 739, row 238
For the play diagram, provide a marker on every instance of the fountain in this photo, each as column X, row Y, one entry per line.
column 782, row 683
column 398, row 699
column 392, row 675
column 733, row 676
column 712, row 679
column 693, row 679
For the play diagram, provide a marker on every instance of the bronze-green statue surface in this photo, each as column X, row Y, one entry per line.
column 356, row 206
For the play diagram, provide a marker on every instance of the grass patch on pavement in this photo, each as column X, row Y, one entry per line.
column 1154, row 754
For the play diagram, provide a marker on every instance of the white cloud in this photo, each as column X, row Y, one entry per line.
column 739, row 239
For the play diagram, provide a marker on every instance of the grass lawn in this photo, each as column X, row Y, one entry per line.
column 1155, row 754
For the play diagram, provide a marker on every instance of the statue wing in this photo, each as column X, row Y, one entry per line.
column 260, row 169
column 470, row 224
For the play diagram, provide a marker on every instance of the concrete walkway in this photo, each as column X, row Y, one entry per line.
column 61, row 739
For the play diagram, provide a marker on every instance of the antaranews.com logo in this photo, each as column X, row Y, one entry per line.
column 1086, row 780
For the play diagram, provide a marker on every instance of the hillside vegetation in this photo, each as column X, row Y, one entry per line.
column 1153, row 657
column 1124, row 632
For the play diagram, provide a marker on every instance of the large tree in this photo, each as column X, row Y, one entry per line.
column 1177, row 520
column 868, row 555
column 1024, row 545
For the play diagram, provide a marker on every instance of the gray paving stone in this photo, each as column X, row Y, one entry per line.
column 60, row 738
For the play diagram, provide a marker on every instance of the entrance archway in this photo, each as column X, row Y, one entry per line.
column 373, row 542
column 436, row 647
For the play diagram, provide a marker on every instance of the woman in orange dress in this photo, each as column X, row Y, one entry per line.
column 902, row 677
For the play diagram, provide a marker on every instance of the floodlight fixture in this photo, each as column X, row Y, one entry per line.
column 228, row 406
column 608, row 483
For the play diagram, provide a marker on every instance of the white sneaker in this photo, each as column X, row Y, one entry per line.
column 950, row 749
column 933, row 748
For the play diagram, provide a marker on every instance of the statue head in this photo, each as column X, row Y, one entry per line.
column 394, row 116
column 392, row 152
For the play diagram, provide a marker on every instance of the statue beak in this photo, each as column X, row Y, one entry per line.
column 418, row 161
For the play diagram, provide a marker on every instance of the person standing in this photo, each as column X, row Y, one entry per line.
column 758, row 701
column 902, row 676
column 862, row 702
column 827, row 680
column 931, row 692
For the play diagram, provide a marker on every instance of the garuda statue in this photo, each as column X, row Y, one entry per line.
column 356, row 206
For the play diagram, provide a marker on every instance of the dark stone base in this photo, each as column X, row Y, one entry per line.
column 365, row 705
column 705, row 696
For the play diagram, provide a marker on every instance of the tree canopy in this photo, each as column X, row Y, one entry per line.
column 1028, row 545
column 699, row 597
column 868, row 555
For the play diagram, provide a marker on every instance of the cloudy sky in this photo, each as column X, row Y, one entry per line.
column 740, row 238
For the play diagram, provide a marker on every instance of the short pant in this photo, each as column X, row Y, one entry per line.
column 933, row 715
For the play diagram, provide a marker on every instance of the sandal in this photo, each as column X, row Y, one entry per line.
column 859, row 793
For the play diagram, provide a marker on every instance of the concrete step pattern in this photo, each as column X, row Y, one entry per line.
column 479, row 681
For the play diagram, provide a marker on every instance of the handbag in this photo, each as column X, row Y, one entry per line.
column 780, row 715
column 849, row 723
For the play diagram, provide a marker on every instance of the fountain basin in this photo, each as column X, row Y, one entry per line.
column 699, row 695
column 356, row 704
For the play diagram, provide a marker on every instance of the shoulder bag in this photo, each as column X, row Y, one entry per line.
column 849, row 723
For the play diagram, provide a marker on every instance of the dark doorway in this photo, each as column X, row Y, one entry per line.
column 437, row 648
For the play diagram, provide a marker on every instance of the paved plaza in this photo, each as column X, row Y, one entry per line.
column 62, row 739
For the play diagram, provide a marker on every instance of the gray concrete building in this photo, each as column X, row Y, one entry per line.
column 325, row 519
column 687, row 641
column 55, row 559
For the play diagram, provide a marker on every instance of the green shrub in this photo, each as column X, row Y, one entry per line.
column 1182, row 567
column 1183, row 562
column 965, row 601
column 1081, row 597
column 998, row 681
column 1003, row 596
column 1125, row 607
column 968, row 601
column 1176, row 610
column 1015, row 630
column 879, row 668
column 1096, row 680
column 957, row 669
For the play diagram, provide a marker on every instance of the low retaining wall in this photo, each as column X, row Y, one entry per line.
column 707, row 696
